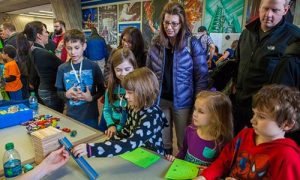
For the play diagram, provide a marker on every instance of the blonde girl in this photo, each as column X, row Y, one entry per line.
column 211, row 129
column 144, row 123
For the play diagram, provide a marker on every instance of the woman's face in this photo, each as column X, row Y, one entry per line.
column 172, row 25
column 126, row 41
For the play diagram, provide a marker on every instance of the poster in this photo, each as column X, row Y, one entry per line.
column 108, row 23
column 130, row 12
column 89, row 18
column 224, row 16
column 193, row 10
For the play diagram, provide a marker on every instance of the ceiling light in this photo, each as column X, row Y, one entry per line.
column 49, row 12
column 46, row 17
column 41, row 14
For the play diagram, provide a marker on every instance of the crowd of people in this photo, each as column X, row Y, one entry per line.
column 148, row 91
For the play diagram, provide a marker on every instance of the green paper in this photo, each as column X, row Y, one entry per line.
column 181, row 169
column 141, row 157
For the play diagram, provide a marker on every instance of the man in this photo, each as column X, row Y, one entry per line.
column 9, row 34
column 59, row 31
column 260, row 47
column 206, row 43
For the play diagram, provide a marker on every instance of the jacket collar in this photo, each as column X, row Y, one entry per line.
column 254, row 25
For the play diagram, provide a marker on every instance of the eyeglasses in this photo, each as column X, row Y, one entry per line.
column 173, row 24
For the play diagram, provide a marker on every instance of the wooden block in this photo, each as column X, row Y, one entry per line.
column 45, row 141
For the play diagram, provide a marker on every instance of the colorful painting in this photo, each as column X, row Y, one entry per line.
column 89, row 18
column 130, row 12
column 224, row 16
column 108, row 23
column 193, row 10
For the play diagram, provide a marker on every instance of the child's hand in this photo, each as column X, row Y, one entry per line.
column 200, row 178
column 85, row 96
column 230, row 178
column 111, row 131
column 201, row 168
column 170, row 157
column 79, row 150
column 72, row 94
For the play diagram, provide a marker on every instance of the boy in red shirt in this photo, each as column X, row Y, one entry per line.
column 262, row 152
column 12, row 73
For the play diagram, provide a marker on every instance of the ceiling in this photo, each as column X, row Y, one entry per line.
column 13, row 5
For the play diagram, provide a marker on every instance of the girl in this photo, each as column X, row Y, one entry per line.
column 211, row 130
column 114, row 110
column 144, row 123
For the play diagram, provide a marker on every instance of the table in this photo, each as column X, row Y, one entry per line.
column 22, row 141
column 115, row 168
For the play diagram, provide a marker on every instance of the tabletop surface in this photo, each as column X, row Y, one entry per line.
column 22, row 140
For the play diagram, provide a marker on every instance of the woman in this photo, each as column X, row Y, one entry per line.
column 179, row 62
column 131, row 38
column 44, row 64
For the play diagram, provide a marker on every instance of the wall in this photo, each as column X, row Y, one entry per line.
column 21, row 21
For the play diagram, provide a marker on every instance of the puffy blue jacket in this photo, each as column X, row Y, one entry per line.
column 96, row 49
column 190, row 71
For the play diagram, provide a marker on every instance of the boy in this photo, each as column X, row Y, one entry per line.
column 12, row 73
column 262, row 152
column 79, row 81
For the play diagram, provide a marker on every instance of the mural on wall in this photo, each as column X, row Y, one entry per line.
column 193, row 10
column 130, row 12
column 89, row 18
column 224, row 16
column 147, row 22
column 108, row 23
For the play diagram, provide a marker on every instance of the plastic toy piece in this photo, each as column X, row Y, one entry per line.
column 83, row 164
column 27, row 167
column 67, row 130
column 73, row 133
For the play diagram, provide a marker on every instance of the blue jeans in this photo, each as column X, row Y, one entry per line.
column 51, row 100
column 15, row 95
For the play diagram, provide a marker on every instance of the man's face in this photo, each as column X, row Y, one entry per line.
column 271, row 13
column 58, row 29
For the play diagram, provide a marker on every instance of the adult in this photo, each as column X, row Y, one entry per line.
column 179, row 62
column 44, row 63
column 51, row 163
column 132, row 38
column 206, row 43
column 9, row 34
column 260, row 47
column 96, row 49
column 288, row 73
column 228, row 53
column 59, row 31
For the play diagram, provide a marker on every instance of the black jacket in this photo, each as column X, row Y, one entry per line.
column 259, row 57
column 288, row 71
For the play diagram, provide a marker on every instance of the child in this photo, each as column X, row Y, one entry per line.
column 79, row 81
column 12, row 73
column 145, row 119
column 114, row 110
column 262, row 152
column 211, row 129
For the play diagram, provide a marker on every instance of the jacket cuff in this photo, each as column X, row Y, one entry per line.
column 89, row 150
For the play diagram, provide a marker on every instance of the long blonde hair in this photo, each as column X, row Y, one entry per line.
column 220, row 110
column 145, row 85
